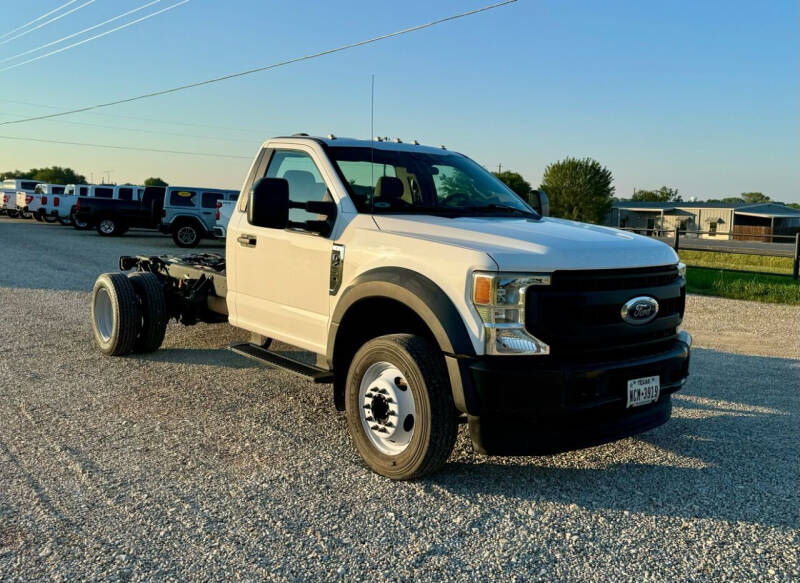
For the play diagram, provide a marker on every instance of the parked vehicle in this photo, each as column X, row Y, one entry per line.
column 127, row 207
column 8, row 199
column 223, row 217
column 13, row 186
column 427, row 295
column 190, row 213
column 47, row 199
column 91, row 191
column 64, row 210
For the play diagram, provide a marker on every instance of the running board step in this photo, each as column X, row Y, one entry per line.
column 267, row 357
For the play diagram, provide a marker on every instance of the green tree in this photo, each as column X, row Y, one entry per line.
column 515, row 182
column 663, row 194
column 51, row 175
column 155, row 182
column 579, row 189
column 754, row 197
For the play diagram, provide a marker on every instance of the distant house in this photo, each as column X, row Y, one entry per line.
column 757, row 222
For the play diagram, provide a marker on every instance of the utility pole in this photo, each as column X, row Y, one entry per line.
column 499, row 167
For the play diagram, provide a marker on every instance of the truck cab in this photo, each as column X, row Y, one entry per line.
column 428, row 293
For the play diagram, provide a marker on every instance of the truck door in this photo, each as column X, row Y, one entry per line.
column 282, row 276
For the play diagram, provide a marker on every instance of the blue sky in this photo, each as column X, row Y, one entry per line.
column 702, row 96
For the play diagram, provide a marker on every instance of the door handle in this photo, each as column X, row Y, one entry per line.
column 247, row 240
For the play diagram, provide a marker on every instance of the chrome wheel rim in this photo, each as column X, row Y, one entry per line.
column 187, row 235
column 107, row 226
column 103, row 314
column 387, row 409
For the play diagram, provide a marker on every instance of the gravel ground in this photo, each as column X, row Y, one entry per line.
column 195, row 464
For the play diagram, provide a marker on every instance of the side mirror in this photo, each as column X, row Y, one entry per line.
column 268, row 205
column 540, row 202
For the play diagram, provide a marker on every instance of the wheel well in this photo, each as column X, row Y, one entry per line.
column 366, row 319
column 178, row 222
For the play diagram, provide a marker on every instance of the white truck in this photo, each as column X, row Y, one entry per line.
column 427, row 294
column 46, row 200
column 12, row 189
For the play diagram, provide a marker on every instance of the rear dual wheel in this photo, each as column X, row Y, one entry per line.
column 129, row 313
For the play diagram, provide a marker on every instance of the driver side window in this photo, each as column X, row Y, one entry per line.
column 304, row 178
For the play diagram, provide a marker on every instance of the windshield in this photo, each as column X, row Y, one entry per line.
column 394, row 181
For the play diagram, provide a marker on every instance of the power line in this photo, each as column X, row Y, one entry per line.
column 80, row 32
column 53, row 11
column 91, row 38
column 59, row 17
column 107, row 146
column 150, row 119
column 266, row 67
column 157, row 132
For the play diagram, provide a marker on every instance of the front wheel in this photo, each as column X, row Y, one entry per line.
column 399, row 406
column 66, row 222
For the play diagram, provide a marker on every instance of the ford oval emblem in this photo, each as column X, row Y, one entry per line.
column 640, row 310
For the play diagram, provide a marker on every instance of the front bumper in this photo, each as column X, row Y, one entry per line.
column 535, row 406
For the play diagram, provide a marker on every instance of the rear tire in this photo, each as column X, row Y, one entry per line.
column 153, row 307
column 49, row 219
column 25, row 215
column 37, row 217
column 399, row 406
column 108, row 227
column 78, row 225
column 116, row 315
column 12, row 214
column 186, row 235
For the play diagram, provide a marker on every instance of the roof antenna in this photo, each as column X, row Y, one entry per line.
column 372, row 144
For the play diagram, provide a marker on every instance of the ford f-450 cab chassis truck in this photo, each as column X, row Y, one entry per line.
column 427, row 294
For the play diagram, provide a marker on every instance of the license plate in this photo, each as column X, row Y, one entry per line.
column 643, row 391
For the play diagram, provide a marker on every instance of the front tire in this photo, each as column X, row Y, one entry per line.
column 399, row 406
column 116, row 315
column 66, row 222
column 78, row 224
column 186, row 235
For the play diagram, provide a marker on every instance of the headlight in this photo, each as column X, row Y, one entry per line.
column 682, row 269
column 499, row 299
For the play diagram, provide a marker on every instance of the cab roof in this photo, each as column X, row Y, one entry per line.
column 384, row 144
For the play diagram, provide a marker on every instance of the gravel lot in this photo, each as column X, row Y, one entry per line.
column 195, row 464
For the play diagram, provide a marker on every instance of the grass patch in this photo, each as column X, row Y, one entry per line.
column 737, row 261
column 742, row 286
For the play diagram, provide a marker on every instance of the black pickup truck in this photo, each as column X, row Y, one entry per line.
column 112, row 217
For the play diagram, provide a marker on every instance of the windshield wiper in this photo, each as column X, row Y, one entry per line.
column 504, row 208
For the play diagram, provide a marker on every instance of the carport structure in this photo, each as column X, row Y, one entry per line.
column 738, row 221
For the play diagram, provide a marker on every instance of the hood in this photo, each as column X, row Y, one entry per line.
column 520, row 244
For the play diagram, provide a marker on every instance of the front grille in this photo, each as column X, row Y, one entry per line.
column 614, row 279
column 580, row 313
